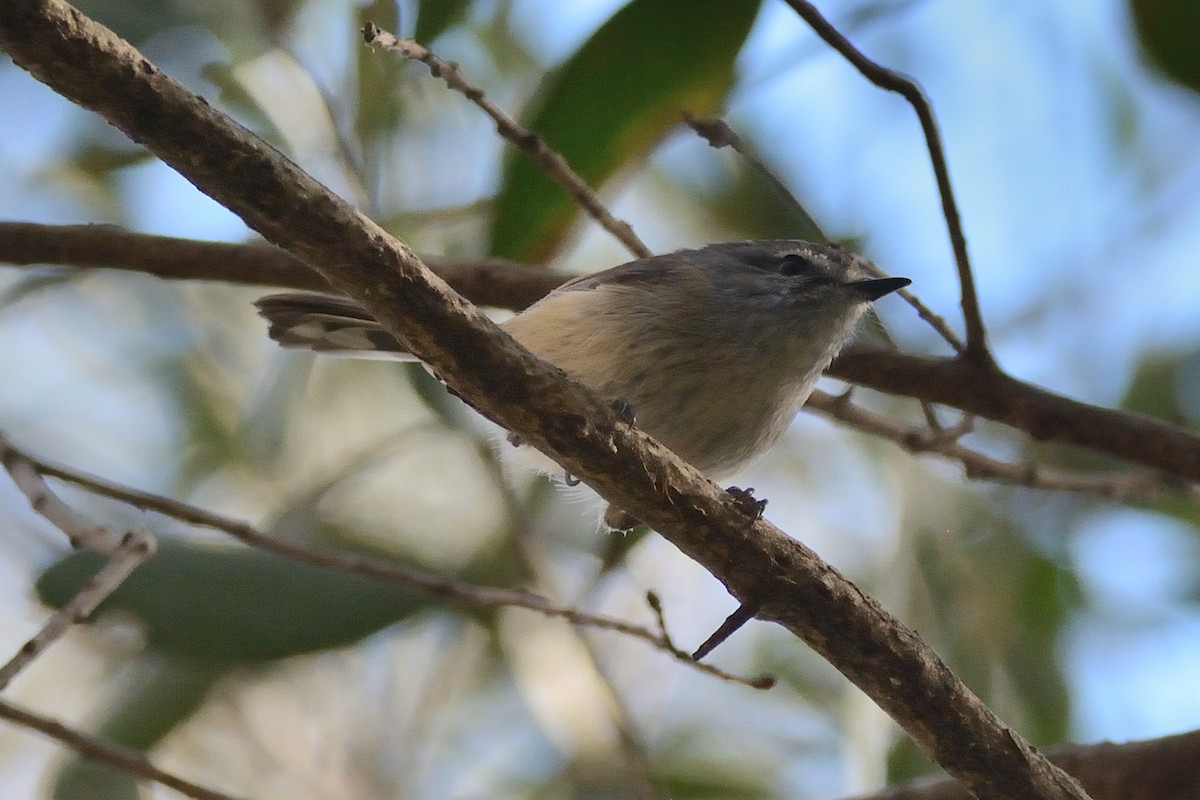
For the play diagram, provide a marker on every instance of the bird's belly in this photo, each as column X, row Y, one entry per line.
column 717, row 428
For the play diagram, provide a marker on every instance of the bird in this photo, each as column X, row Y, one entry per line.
column 712, row 351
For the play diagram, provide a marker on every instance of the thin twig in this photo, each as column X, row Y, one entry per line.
column 925, row 313
column 525, row 140
column 977, row 346
column 418, row 580
column 978, row 466
column 90, row 747
column 79, row 532
column 125, row 553
column 136, row 548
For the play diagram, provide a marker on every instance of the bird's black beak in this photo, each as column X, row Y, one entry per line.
column 871, row 290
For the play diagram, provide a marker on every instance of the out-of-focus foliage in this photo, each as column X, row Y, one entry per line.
column 611, row 102
column 1167, row 29
column 238, row 605
column 175, row 389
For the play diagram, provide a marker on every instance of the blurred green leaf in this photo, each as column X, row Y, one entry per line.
column 136, row 22
column 277, row 15
column 379, row 74
column 236, row 604
column 611, row 102
column 165, row 694
column 713, row 785
column 435, row 16
column 753, row 203
column 1169, row 31
column 98, row 160
column 1044, row 594
column 95, row 781
column 1154, row 389
column 1165, row 387
column 994, row 606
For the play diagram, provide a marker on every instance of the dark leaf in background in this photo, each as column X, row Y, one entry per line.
column 380, row 110
column 276, row 15
column 611, row 102
column 995, row 606
column 137, row 22
column 1168, row 387
column 233, row 604
column 753, row 203
column 165, row 693
column 435, row 16
column 1169, row 31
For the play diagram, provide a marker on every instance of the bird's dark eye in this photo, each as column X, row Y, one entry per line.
column 793, row 264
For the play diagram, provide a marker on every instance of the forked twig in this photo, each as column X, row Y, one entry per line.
column 1129, row 485
column 126, row 552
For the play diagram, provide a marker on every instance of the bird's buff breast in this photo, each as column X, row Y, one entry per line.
column 714, row 406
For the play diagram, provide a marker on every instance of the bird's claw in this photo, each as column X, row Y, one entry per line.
column 746, row 501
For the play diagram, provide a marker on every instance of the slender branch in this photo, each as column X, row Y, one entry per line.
column 93, row 67
column 126, row 553
column 718, row 134
column 489, row 282
column 977, row 347
column 524, row 139
column 409, row 577
column 1126, row 485
column 1048, row 417
column 131, row 761
column 136, row 548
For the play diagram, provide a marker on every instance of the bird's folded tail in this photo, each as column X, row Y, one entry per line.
column 328, row 324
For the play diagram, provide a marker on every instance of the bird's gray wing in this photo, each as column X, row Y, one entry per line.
column 643, row 273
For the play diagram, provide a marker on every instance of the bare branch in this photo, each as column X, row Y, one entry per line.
column 125, row 554
column 977, row 347
column 525, row 140
column 409, row 577
column 136, row 548
column 80, row 533
column 987, row 392
column 489, row 282
column 131, row 761
column 718, row 134
column 755, row 560
column 1127, row 485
